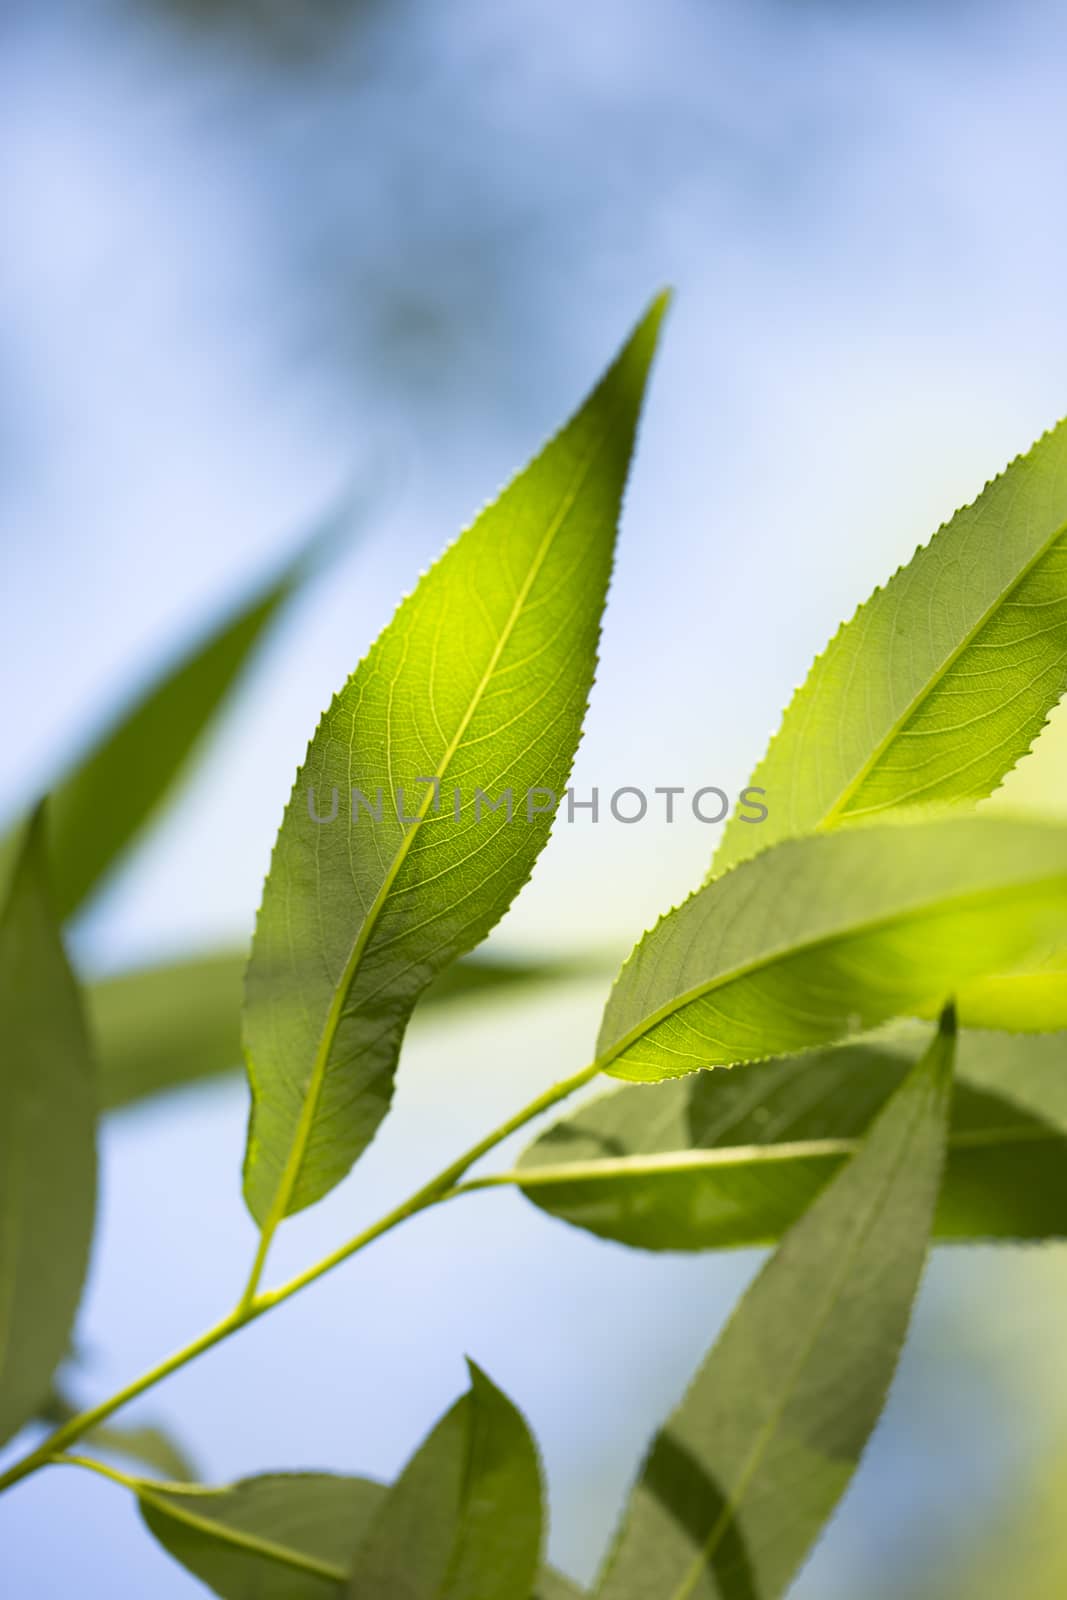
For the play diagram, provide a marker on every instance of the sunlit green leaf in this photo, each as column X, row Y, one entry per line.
column 284, row 1536
column 942, row 680
column 157, row 1028
column 823, row 937
column 738, row 1485
column 463, row 1521
column 101, row 805
column 1033, row 1000
column 47, row 1141
column 725, row 1159
column 479, row 683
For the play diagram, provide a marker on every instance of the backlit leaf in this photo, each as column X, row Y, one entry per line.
column 740, row 1482
column 1032, row 1000
column 826, row 936
column 479, row 683
column 943, row 678
column 47, row 1140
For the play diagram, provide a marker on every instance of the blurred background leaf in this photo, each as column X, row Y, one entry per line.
column 99, row 807
column 163, row 1027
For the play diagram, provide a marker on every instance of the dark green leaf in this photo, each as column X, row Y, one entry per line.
column 463, row 1521
column 47, row 1141
column 828, row 936
column 284, row 1536
column 479, row 683
column 727, row 1159
column 739, row 1484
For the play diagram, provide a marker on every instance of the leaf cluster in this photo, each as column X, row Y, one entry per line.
column 844, row 1045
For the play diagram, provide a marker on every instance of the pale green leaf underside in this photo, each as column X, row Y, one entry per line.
column 463, row 1520
column 283, row 1536
column 943, row 678
column 823, row 937
column 722, row 1160
column 740, row 1482
column 159, row 1028
column 481, row 681
column 47, row 1141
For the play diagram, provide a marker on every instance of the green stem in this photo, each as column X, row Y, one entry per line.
column 439, row 1189
column 80, row 1425
column 171, row 1504
column 102, row 1470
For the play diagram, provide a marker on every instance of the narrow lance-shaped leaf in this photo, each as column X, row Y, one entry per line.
column 47, row 1140
column 742, row 1479
column 721, row 1160
column 943, row 678
column 824, row 937
column 283, row 1536
column 477, row 686
column 463, row 1521
column 99, row 807
column 161, row 1027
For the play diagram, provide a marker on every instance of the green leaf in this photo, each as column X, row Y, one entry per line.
column 480, row 682
column 47, row 1141
column 158, row 1028
column 739, row 1484
column 463, row 1520
column 1030, row 1001
column 942, row 680
column 283, row 1536
column 103, row 802
column 722, row 1160
column 827, row 936
column 291, row 1536
column 552, row 1585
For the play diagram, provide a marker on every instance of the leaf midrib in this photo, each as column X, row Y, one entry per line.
column 857, row 781
column 281, row 1554
column 668, row 1162
column 804, row 947
column 294, row 1164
